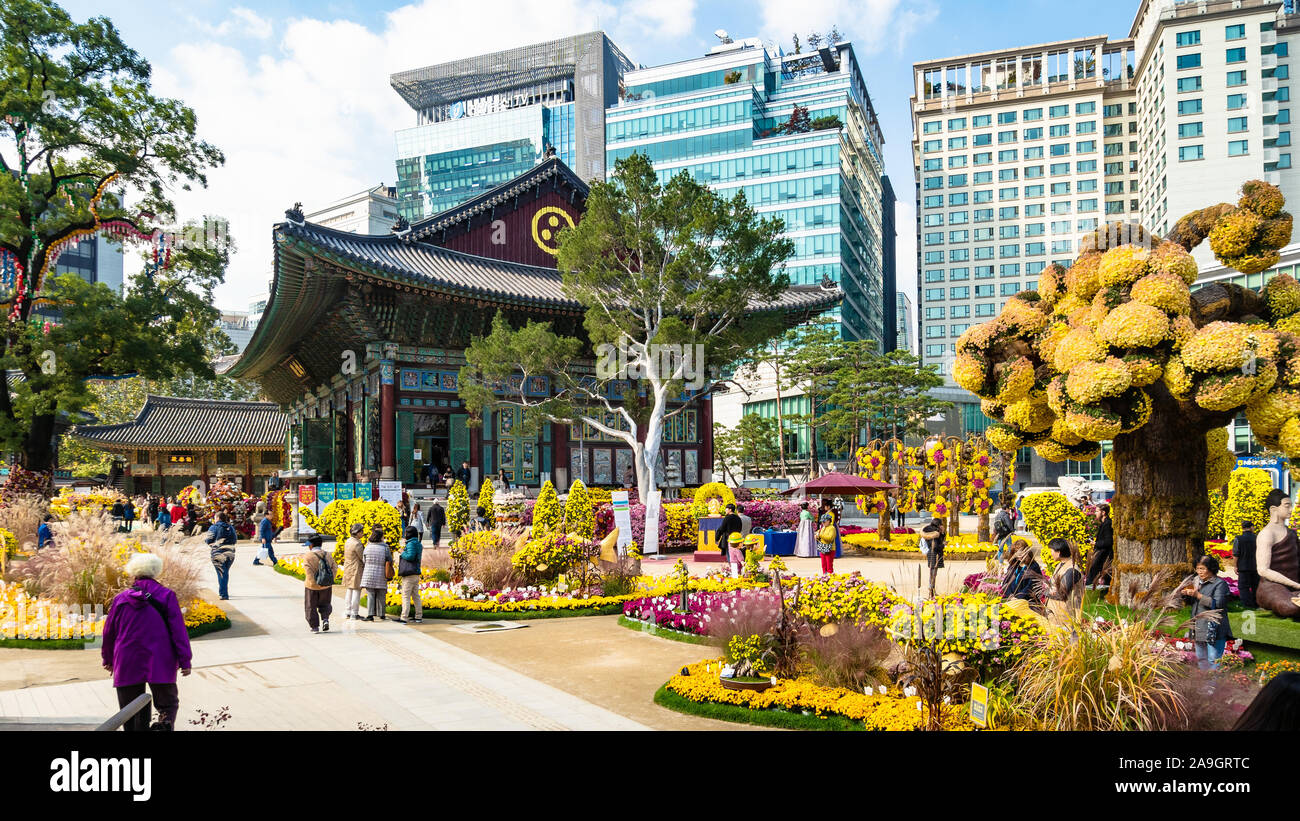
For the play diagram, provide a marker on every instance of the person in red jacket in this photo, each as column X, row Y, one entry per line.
column 178, row 512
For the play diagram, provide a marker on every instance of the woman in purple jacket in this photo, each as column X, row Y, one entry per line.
column 145, row 643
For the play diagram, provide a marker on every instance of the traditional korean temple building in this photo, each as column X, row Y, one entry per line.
column 363, row 339
column 173, row 441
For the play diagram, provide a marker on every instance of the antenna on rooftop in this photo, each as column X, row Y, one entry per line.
column 722, row 35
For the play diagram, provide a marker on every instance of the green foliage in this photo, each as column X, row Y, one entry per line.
column 823, row 123
column 887, row 394
column 1246, row 492
column 458, row 508
column 82, row 111
column 485, row 500
column 546, row 512
column 579, row 516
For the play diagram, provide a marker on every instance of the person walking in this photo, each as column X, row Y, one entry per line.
column 1209, row 595
column 804, row 546
column 463, row 474
column 377, row 570
column 409, row 572
column 1243, row 550
column 935, row 541
column 221, row 541
column 437, row 519
column 144, row 642
column 828, row 535
column 151, row 511
column 1103, row 552
column 417, row 521
column 353, row 566
column 116, row 514
column 318, row 571
column 128, row 515
column 730, row 524
column 405, row 510
column 177, row 511
column 265, row 533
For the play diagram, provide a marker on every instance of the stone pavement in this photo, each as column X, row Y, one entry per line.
column 359, row 673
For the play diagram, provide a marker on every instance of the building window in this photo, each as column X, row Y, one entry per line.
column 1032, row 114
column 959, row 274
column 1284, row 160
column 957, row 161
column 985, row 309
column 1235, row 78
column 983, row 271
column 1238, row 148
column 959, row 293
column 934, row 313
column 933, row 294
column 1085, row 146
column 1059, row 130
column 270, row 457
column 142, row 457
column 934, row 276
column 1006, row 137
column 934, row 332
column 1237, row 32
column 1283, row 94
column 959, row 312
column 932, row 127
column 1186, row 130
column 935, row 164
column 957, row 124
column 956, row 180
column 956, row 143
column 1006, row 117
column 933, row 201
column 934, row 350
column 1191, row 152
column 1189, row 61
column 1186, row 107
column 1009, row 289
column 932, row 145
column 1236, row 124
column 1236, row 55
column 1033, row 133
column 983, row 291
column 1089, row 127
column 1187, row 38
column 1034, row 152
column 1236, row 101
column 1058, row 111
column 1189, row 84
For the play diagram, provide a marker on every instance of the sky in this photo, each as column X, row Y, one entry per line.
column 296, row 93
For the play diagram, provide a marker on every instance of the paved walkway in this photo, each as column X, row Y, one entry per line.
column 375, row 674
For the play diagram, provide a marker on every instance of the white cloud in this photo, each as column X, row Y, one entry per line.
column 310, row 117
column 871, row 25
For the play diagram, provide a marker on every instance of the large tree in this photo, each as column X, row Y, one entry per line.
column 1118, row 348
column 656, row 265
column 83, row 134
column 812, row 368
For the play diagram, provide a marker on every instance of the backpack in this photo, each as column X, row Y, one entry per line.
column 324, row 572
column 1001, row 524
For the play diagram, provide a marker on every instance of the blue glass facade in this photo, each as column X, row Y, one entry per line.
column 720, row 120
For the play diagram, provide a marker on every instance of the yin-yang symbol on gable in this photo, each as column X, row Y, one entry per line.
column 547, row 224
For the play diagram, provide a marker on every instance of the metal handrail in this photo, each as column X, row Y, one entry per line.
column 140, row 702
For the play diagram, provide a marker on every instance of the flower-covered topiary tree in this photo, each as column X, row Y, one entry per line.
column 458, row 508
column 1245, row 500
column 1118, row 348
column 487, row 501
column 579, row 516
column 546, row 512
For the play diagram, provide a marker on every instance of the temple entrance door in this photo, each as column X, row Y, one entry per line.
column 433, row 442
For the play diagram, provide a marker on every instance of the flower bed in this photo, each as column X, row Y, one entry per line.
column 907, row 545
column 36, row 623
column 698, row 684
column 468, row 599
column 702, row 608
column 204, row 617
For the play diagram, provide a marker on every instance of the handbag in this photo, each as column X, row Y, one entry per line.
column 263, row 553
column 388, row 568
column 407, row 567
column 924, row 544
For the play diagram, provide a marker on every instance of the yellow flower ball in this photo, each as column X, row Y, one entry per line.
column 1093, row 422
column 992, row 408
column 1234, row 233
column 1123, row 265
column 1108, row 465
column 1144, row 368
column 1003, row 437
column 1083, row 278
column 978, row 338
column 1269, row 412
column 1167, row 292
column 1013, row 380
column 1089, row 382
column 1029, row 416
column 1051, row 284
column 1079, row 345
column 1177, row 379
column 1023, row 317
column 1063, row 434
column 1053, row 451
column 1056, row 396
column 1183, row 330
column 1172, row 258
column 970, row 371
column 1221, row 346
column 1050, row 338
column 1261, row 197
column 1282, row 293
column 1070, row 303
column 1134, row 325
column 1223, row 393
column 1289, row 439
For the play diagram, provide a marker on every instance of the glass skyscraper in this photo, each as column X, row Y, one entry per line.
column 728, row 119
column 486, row 120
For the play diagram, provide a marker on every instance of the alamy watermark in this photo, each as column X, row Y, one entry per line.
column 663, row 362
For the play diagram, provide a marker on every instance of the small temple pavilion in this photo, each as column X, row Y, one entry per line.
column 363, row 339
column 174, row 441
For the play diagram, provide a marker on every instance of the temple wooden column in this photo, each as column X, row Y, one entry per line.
column 387, row 421
column 706, row 440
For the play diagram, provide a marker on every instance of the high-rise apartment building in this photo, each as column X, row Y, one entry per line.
column 1020, row 152
column 485, row 120
column 729, row 120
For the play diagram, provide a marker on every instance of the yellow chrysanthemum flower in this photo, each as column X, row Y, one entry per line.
column 1177, row 379
column 1167, row 292
column 1093, row 423
column 1134, row 325
column 1013, row 380
column 1223, row 346
column 1029, row 416
column 1083, row 278
column 970, row 370
column 1289, row 439
column 1063, row 434
column 1223, row 393
column 1089, row 382
column 1079, row 345
column 1283, row 295
column 1123, row 265
column 1003, row 437
column 1269, row 412
column 1172, row 258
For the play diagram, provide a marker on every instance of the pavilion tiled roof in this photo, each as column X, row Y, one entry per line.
column 174, row 422
column 420, row 263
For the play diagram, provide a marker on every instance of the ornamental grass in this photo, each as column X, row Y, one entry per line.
column 22, row 516
column 492, row 563
column 1102, row 676
column 848, row 655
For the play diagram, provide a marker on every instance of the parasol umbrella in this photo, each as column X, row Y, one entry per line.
column 840, row 484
